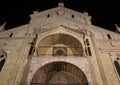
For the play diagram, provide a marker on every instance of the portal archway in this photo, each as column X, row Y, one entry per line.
column 59, row 73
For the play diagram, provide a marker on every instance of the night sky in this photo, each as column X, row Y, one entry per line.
column 104, row 14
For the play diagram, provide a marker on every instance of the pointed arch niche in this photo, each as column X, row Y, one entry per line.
column 60, row 41
column 59, row 45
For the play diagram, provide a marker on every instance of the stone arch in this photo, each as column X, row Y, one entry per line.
column 64, row 41
column 59, row 72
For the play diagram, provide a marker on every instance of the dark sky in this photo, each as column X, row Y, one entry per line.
column 104, row 14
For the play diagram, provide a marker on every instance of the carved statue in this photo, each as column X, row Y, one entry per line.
column 117, row 28
column 2, row 27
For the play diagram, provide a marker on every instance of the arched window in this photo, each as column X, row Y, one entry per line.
column 88, row 49
column 109, row 36
column 72, row 16
column 2, row 59
column 48, row 15
column 11, row 34
column 117, row 66
column 87, row 42
column 2, row 63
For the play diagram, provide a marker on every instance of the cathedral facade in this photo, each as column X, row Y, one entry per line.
column 59, row 46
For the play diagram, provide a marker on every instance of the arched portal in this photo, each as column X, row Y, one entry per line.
column 56, row 73
column 60, row 45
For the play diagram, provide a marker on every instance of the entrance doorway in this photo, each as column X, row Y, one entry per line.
column 59, row 73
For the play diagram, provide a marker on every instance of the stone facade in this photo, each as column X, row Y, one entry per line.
column 59, row 41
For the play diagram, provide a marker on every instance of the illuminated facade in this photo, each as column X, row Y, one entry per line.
column 59, row 46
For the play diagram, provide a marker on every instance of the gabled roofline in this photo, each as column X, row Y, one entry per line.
column 59, row 7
